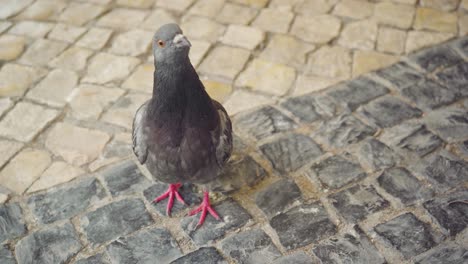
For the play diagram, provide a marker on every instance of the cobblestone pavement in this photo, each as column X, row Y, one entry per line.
column 372, row 169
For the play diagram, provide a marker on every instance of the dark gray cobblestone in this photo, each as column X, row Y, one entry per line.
column 376, row 155
column 311, row 107
column 436, row 58
column 125, row 178
column 250, row 247
column 447, row 254
column 6, row 257
column 461, row 45
column 205, row 255
column 296, row 258
column 450, row 123
column 407, row 234
column 447, row 171
column 278, row 197
column 400, row 75
column 96, row 259
column 351, row 247
column 429, row 95
column 455, row 78
column 12, row 222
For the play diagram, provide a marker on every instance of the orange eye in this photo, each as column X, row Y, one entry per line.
column 161, row 43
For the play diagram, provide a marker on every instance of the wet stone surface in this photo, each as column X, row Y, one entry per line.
column 336, row 171
column 302, row 225
column 450, row 211
column 357, row 202
column 66, row 202
column 232, row 214
column 115, row 219
column 250, row 247
column 125, row 178
column 288, row 154
column 407, row 234
column 202, row 255
column 54, row 244
column 146, row 246
column 351, row 247
column 13, row 225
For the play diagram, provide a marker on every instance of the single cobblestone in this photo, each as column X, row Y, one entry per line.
column 96, row 259
column 455, row 78
column 397, row 15
column 13, row 224
column 377, row 155
column 296, row 258
column 302, row 225
column 391, row 40
column 207, row 8
column 57, row 244
column 253, row 246
column 105, row 68
column 66, row 33
column 42, row 51
column 311, row 107
column 113, row 19
column 445, row 254
column 407, row 234
column 450, row 123
column 59, row 172
column 6, row 256
column 132, row 43
column 352, row 247
column 202, row 28
column 436, row 58
column 233, row 217
column 367, row 61
column 358, row 202
column 420, row 141
column 95, row 38
column 446, row 170
column 273, row 20
column 236, row 14
column 54, row 88
column 225, row 62
column 202, row 255
column 65, row 202
column 125, row 178
column 146, row 246
column 31, row 29
column 289, row 154
column 74, row 59
column 288, row 50
column 354, row 9
column 114, row 220
column 141, row 79
column 429, row 94
column 278, row 197
column 80, row 13
column 318, row 29
column 359, row 35
column 337, row 171
column 432, row 19
column 16, row 79
column 243, row 37
column 122, row 112
column 331, row 62
column 450, row 211
column 421, row 39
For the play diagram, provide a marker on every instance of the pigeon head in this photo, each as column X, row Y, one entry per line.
column 170, row 45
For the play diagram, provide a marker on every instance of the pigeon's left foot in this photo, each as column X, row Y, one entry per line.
column 204, row 208
column 171, row 192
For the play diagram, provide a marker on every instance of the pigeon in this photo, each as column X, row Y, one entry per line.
column 181, row 135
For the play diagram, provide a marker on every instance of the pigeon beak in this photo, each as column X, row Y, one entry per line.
column 181, row 41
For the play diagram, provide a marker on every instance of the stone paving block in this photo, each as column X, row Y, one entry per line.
column 204, row 255
column 113, row 19
column 273, row 20
column 42, row 51
column 16, row 79
column 420, row 39
column 357, row 202
column 278, row 197
column 428, row 94
column 95, row 38
column 243, row 36
column 359, row 35
column 241, row 100
column 302, row 225
column 59, row 172
column 42, row 10
column 337, row 171
column 56, row 244
column 455, row 78
column 400, row 75
column 366, row 61
column 314, row 7
column 436, row 58
column 12, row 7
column 96, row 259
column 376, row 155
column 286, row 49
column 32, row 29
column 357, row 92
column 5, row 104
column 122, row 112
column 74, row 58
column 448, row 5
column 66, row 33
column 197, row 51
column 202, row 28
column 65, row 202
column 87, row 101
column 4, row 25
column 218, row 91
column 351, row 247
column 225, row 62
column 187, row 191
column 114, row 220
column 251, row 246
column 25, row 121
column 460, row 45
column 6, row 256
column 446, row 170
column 450, row 211
column 137, row 4
column 207, row 8
column 400, row 183
column 432, row 19
column 289, row 154
column 105, row 67
column 267, row 77
column 407, row 234
column 391, row 40
column 330, row 61
column 311, row 107
column 232, row 214
column 388, row 111
column 24, row 169
column 296, row 258
column 236, row 14
column 178, row 5
column 397, row 15
column 11, row 47
column 141, row 79
column 419, row 140
column 145, row 246
column 462, row 148
column 80, row 13
column 317, row 29
column 125, row 178
column 264, row 122
column 13, row 224
column 75, row 144
column 54, row 88
column 450, row 123
column 354, row 9
column 156, row 19
column 446, row 254
column 133, row 43
column 342, row 130
column 8, row 149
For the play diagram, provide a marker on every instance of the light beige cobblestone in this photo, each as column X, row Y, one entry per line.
column 274, row 20
column 5, row 104
column 207, row 8
column 330, row 61
column 114, row 19
column 136, row 3
column 66, row 33
column 8, row 149
column 242, row 100
column 16, row 79
column 253, row 3
column 43, row 10
column 236, row 14
column 287, row 50
column 420, row 39
column 12, row 7
column 105, row 67
column 359, row 35
column 178, row 5
column 366, row 61
column 156, row 19
column 432, row 19
column 307, row 84
column 42, row 51
column 132, row 43
column 95, row 38
column 445, row 5
column 391, row 40
column 141, row 79
column 74, row 58
column 80, row 13
column 316, row 29
column 217, row 90
column 314, row 7
column 357, row 9
column 225, row 62
column 54, row 88
column 201, row 28
column 243, row 36
column 31, row 29
column 57, row 173
column 11, row 47
column 397, row 15
column 198, row 50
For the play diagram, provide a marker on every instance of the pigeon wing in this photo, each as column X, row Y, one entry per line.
column 140, row 147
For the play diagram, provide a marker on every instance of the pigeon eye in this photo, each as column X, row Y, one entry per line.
column 161, row 43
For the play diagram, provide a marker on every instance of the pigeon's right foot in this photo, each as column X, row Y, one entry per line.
column 171, row 192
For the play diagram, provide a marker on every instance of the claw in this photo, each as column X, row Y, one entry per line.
column 204, row 208
column 171, row 192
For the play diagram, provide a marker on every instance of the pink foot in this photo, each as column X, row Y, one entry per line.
column 171, row 192
column 205, row 207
